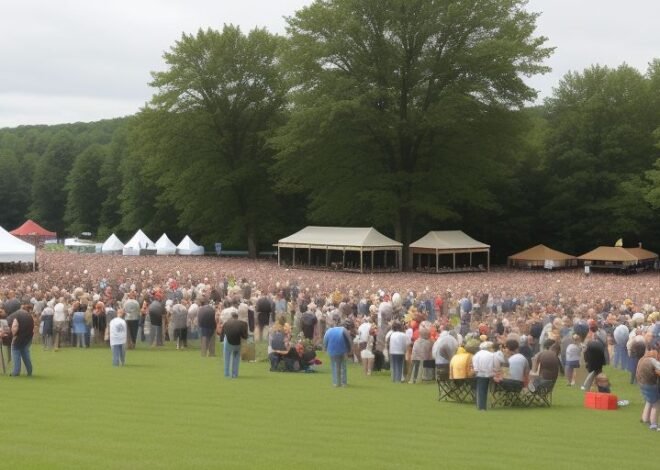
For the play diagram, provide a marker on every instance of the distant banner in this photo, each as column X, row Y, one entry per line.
column 548, row 264
column 218, row 248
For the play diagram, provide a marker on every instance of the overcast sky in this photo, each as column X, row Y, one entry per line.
column 84, row 60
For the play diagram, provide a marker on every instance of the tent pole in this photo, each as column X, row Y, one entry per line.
column 454, row 256
column 309, row 257
column 385, row 259
column 293, row 262
column 437, row 261
column 470, row 259
column 488, row 266
column 343, row 258
column 327, row 254
column 372, row 260
column 361, row 260
column 278, row 255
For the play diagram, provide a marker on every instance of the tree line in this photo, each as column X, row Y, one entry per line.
column 406, row 115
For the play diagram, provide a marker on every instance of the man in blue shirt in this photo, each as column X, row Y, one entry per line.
column 337, row 342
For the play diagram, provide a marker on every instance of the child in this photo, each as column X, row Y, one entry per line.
column 603, row 383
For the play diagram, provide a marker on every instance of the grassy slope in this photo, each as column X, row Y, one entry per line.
column 170, row 409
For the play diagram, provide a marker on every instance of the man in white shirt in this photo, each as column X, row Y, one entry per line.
column 118, row 336
column 363, row 335
column 60, row 322
column 484, row 368
column 518, row 367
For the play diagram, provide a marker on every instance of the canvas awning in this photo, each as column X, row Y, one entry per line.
column 112, row 245
column 139, row 243
column 31, row 228
column 618, row 254
column 541, row 253
column 442, row 242
column 360, row 247
column 15, row 250
column 187, row 247
column 165, row 246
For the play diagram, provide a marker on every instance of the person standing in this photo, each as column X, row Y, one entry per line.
column 484, row 369
column 47, row 320
column 118, row 335
column 156, row 314
column 397, row 342
column 207, row 325
column 22, row 330
column 180, row 324
column 264, row 309
column 338, row 343
column 132, row 317
column 60, row 324
column 234, row 330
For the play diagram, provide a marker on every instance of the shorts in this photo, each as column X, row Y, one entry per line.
column 367, row 354
column 573, row 364
column 650, row 393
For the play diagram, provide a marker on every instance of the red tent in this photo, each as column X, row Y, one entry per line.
column 32, row 232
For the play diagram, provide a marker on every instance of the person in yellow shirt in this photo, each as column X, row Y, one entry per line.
column 460, row 366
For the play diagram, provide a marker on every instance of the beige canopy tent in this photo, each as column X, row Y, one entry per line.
column 540, row 256
column 346, row 248
column 436, row 246
column 617, row 257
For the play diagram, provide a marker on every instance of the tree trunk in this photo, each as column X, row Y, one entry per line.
column 251, row 239
column 403, row 233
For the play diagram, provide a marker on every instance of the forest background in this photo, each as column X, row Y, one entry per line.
column 407, row 116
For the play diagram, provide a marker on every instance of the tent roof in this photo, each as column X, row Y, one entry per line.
column 165, row 242
column 615, row 254
column 642, row 254
column 15, row 250
column 541, row 253
column 30, row 227
column 359, row 237
column 449, row 240
column 112, row 244
column 140, row 240
column 187, row 244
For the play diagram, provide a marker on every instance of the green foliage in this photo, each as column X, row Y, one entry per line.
column 400, row 105
column 204, row 136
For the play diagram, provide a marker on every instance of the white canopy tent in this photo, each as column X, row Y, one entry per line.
column 165, row 246
column 352, row 248
column 435, row 244
column 140, row 244
column 15, row 250
column 112, row 245
column 187, row 247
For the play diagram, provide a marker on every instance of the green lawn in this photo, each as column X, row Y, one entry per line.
column 173, row 409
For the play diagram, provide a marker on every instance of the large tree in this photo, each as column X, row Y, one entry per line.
column 84, row 194
column 600, row 143
column 404, row 108
column 206, row 130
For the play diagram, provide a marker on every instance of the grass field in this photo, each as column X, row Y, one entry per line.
column 173, row 409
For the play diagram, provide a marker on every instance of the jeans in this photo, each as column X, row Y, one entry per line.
column 80, row 339
column 207, row 342
column 482, row 392
column 156, row 334
column 21, row 353
column 118, row 354
column 232, row 353
column 396, row 364
column 338, row 364
column 620, row 356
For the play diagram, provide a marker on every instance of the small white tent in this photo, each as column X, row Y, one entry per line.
column 165, row 246
column 112, row 245
column 140, row 244
column 15, row 250
column 189, row 247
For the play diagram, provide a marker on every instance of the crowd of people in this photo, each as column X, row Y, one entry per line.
column 516, row 328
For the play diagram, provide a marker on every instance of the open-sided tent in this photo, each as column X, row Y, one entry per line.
column 140, row 244
column 437, row 251
column 15, row 250
column 351, row 248
column 187, row 247
column 165, row 246
column 34, row 233
column 540, row 256
column 112, row 245
column 617, row 257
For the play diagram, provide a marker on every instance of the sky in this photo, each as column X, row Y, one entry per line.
column 85, row 60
